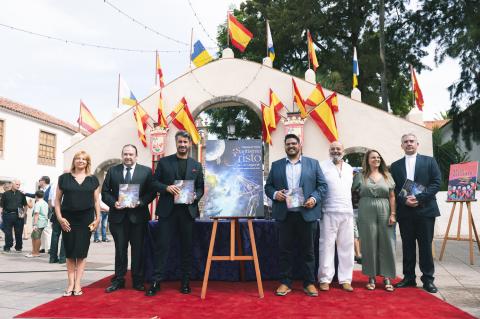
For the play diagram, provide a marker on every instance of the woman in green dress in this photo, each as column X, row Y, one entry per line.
column 376, row 219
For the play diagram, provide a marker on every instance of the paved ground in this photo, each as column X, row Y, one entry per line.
column 26, row 283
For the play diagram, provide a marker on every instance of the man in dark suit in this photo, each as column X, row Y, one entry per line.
column 296, row 222
column 175, row 217
column 128, row 224
column 416, row 213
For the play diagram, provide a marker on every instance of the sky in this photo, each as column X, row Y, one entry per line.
column 53, row 76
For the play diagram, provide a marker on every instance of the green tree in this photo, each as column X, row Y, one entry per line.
column 247, row 122
column 336, row 27
column 455, row 28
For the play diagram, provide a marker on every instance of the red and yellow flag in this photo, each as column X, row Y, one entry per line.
column 239, row 35
column 416, row 90
column 141, row 125
column 316, row 97
column 162, row 121
column 266, row 124
column 183, row 120
column 158, row 73
column 324, row 117
column 311, row 52
column 275, row 106
column 86, row 119
column 297, row 98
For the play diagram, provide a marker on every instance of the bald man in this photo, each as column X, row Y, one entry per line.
column 10, row 202
column 336, row 224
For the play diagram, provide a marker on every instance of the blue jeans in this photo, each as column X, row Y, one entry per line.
column 103, row 228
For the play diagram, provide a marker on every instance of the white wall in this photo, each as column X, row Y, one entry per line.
column 20, row 154
column 358, row 123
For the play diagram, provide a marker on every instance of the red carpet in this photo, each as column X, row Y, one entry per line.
column 240, row 300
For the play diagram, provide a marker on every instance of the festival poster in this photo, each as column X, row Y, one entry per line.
column 462, row 181
column 233, row 178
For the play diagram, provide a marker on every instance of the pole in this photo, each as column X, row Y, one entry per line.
column 228, row 33
column 190, row 52
column 118, row 92
column 308, row 48
column 266, row 36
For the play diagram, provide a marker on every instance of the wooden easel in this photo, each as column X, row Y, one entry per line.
column 471, row 225
column 234, row 230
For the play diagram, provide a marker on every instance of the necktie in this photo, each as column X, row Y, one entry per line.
column 128, row 176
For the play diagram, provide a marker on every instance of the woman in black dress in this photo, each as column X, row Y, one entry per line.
column 77, row 207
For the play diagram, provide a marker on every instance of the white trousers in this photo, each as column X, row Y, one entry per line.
column 46, row 237
column 336, row 228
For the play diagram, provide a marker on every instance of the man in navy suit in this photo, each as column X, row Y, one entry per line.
column 296, row 223
column 128, row 224
column 416, row 213
column 175, row 217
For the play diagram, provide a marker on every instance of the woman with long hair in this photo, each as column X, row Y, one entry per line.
column 77, row 207
column 376, row 219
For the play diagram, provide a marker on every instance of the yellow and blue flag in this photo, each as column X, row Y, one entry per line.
column 270, row 50
column 126, row 96
column 356, row 68
column 200, row 55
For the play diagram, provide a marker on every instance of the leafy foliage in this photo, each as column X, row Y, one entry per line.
column 446, row 154
column 247, row 122
column 336, row 27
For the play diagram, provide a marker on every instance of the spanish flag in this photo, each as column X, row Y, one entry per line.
column 416, row 90
column 316, row 97
column 311, row 52
column 275, row 106
column 324, row 117
column 141, row 125
column 162, row 121
column 239, row 35
column 86, row 119
column 158, row 72
column 183, row 120
column 200, row 55
column 266, row 124
column 297, row 98
column 143, row 115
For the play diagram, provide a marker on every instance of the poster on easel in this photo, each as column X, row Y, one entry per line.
column 462, row 182
column 233, row 179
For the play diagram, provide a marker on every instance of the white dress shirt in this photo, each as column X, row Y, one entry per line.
column 131, row 171
column 339, row 195
column 410, row 161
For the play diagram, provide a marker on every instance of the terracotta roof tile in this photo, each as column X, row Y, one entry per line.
column 36, row 114
column 437, row 123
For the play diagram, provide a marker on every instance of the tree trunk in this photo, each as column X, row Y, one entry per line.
column 383, row 79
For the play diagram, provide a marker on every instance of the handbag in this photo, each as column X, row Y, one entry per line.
column 21, row 212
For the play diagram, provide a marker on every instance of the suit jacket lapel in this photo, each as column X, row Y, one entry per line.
column 188, row 173
column 403, row 168
column 303, row 165
column 120, row 174
column 417, row 167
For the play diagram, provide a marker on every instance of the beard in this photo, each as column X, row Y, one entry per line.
column 336, row 158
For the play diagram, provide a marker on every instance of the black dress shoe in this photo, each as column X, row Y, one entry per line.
column 185, row 287
column 154, row 287
column 139, row 287
column 53, row 261
column 115, row 286
column 406, row 283
column 430, row 287
column 41, row 251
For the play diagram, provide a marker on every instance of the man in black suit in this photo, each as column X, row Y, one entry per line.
column 175, row 217
column 296, row 223
column 128, row 224
column 416, row 213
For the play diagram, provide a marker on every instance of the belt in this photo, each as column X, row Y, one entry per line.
column 11, row 213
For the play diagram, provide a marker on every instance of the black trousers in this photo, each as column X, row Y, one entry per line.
column 179, row 221
column 294, row 229
column 124, row 233
column 417, row 229
column 13, row 224
column 55, row 238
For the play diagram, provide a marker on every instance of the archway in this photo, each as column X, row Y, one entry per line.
column 354, row 155
column 102, row 168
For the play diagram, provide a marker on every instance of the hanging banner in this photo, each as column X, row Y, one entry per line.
column 233, row 178
column 157, row 141
column 294, row 125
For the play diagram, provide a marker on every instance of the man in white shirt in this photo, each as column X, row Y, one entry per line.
column 336, row 225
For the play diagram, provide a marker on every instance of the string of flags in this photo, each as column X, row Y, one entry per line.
column 320, row 108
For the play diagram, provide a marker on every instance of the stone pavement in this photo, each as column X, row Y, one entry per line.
column 26, row 283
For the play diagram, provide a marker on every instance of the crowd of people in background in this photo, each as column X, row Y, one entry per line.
column 358, row 210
